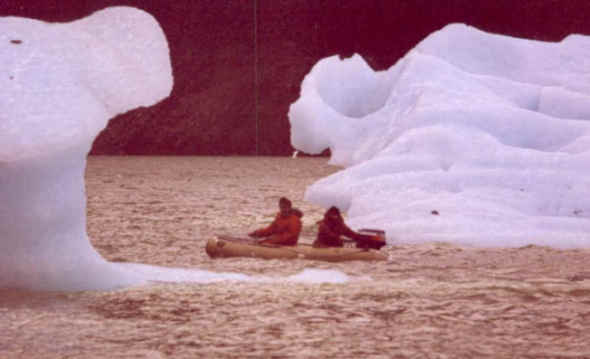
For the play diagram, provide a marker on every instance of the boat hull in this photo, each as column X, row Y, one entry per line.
column 222, row 246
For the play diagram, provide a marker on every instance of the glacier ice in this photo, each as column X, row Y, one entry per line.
column 471, row 138
column 61, row 83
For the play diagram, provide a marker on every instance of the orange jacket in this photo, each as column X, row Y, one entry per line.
column 284, row 229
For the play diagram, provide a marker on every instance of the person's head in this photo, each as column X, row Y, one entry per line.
column 333, row 213
column 285, row 205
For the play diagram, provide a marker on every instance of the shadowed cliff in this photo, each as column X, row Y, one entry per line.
column 238, row 65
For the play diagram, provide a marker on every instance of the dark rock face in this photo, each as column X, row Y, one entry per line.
column 238, row 65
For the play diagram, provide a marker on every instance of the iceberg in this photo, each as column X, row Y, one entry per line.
column 61, row 83
column 471, row 138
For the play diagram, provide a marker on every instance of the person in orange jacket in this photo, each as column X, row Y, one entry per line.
column 285, row 228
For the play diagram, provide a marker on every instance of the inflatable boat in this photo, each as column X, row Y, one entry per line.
column 227, row 246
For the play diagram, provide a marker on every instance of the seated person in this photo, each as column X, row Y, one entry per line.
column 285, row 228
column 332, row 227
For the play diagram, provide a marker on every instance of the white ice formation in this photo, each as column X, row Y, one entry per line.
column 471, row 138
column 61, row 83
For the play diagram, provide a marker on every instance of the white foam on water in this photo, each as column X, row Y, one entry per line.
column 190, row 275
column 311, row 275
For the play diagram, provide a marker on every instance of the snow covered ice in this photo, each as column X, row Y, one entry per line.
column 471, row 138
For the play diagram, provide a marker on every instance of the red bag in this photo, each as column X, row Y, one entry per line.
column 370, row 238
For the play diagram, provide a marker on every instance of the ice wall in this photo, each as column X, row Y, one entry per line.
column 61, row 83
column 472, row 138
